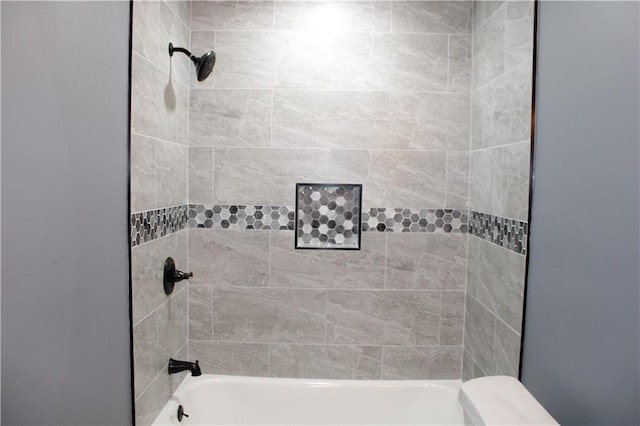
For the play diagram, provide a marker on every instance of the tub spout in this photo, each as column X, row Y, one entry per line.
column 176, row 366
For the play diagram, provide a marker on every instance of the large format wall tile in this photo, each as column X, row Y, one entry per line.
column 143, row 173
column 159, row 105
column 158, row 174
column 479, row 330
column 265, row 176
column 481, row 180
column 383, row 317
column 421, row 362
column 327, row 268
column 370, row 16
column 489, row 46
column 182, row 9
column 496, row 275
column 303, row 60
column 502, row 109
column 172, row 326
column 457, row 180
column 460, row 63
column 452, row 17
column 470, row 369
column 145, row 353
column 244, row 359
column 147, row 261
column 426, row 262
column 330, row 119
column 406, row 179
column 410, row 61
column 245, row 59
column 200, row 175
column 154, row 398
column 269, row 315
column 430, row 121
column 513, row 181
column 230, row 117
column 507, row 350
column 500, row 181
column 325, row 361
column 200, row 312
column 229, row 258
column 452, row 318
column 231, row 15
column 519, row 33
column 171, row 173
column 154, row 26
column 351, row 62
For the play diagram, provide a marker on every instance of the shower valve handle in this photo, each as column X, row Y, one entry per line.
column 172, row 275
column 179, row 276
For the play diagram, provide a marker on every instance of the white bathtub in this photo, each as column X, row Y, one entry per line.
column 228, row 400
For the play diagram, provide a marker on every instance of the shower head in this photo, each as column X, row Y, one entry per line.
column 204, row 64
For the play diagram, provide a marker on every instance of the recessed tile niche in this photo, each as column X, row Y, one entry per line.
column 328, row 216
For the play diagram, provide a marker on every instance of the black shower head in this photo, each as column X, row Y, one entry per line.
column 204, row 64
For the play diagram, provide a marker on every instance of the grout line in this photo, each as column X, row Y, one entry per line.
column 213, row 334
column 169, row 74
column 157, row 139
column 337, row 90
column 269, row 260
column 505, row 145
column 271, row 119
column 386, row 257
column 488, row 18
column 325, row 289
column 357, row 32
column 268, row 360
column 448, row 61
column 389, row 120
column 495, row 315
column 326, row 316
column 446, row 179
column 504, row 74
column 337, row 148
column 273, row 16
column 212, row 190
column 440, row 321
column 340, row 345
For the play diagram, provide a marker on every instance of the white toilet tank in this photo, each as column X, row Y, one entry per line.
column 501, row 400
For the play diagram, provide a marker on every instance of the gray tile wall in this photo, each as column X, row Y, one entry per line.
column 159, row 105
column 159, row 175
column 499, row 182
column 384, row 100
column 391, row 310
column 381, row 99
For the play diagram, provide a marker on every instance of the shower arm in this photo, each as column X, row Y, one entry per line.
column 183, row 50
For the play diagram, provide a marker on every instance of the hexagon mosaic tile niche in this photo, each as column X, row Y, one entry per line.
column 328, row 216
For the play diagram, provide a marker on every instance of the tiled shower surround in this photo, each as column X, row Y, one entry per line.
column 500, row 156
column 383, row 98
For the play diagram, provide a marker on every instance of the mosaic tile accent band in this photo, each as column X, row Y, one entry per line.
column 239, row 217
column 328, row 216
column 152, row 224
column 373, row 220
column 415, row 220
column 508, row 233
